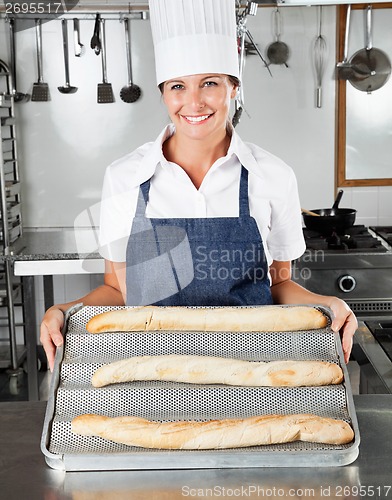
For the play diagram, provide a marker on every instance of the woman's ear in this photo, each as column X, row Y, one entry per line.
column 234, row 92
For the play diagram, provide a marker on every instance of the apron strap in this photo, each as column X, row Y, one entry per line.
column 142, row 199
column 244, row 197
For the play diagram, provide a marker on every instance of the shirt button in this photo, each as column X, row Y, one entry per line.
column 201, row 205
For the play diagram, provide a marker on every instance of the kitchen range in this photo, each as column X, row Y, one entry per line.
column 356, row 265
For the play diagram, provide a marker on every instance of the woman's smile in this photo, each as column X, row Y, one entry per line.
column 196, row 120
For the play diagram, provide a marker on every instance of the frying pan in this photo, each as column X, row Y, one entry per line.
column 331, row 219
column 373, row 61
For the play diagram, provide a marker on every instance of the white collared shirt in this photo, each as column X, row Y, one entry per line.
column 273, row 196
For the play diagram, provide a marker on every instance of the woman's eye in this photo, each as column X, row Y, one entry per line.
column 177, row 86
column 210, row 84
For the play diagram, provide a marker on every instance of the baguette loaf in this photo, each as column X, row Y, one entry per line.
column 263, row 318
column 214, row 434
column 214, row 370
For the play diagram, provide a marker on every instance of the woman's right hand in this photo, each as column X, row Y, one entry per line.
column 51, row 336
column 108, row 294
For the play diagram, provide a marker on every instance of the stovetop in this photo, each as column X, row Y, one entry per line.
column 382, row 332
column 384, row 231
column 356, row 239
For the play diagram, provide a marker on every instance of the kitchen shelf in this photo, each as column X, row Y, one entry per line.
column 12, row 355
column 4, row 294
column 7, row 120
column 12, row 188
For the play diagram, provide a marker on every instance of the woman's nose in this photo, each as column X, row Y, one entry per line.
column 196, row 99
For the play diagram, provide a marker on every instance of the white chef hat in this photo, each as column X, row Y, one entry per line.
column 193, row 37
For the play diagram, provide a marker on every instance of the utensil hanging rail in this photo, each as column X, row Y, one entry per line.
column 108, row 15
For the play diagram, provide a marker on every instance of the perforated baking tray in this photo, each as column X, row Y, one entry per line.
column 72, row 394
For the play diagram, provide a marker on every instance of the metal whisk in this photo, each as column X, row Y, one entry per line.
column 319, row 56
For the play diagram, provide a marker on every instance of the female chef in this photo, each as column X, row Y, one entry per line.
column 199, row 217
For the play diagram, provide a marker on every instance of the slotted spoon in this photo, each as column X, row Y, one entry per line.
column 131, row 92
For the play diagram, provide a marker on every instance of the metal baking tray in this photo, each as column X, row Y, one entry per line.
column 72, row 394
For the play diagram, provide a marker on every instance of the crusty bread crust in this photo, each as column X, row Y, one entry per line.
column 215, row 370
column 215, row 434
column 155, row 318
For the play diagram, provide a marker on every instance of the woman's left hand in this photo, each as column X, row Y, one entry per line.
column 286, row 291
column 344, row 322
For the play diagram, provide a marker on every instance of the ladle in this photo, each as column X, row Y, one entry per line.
column 67, row 88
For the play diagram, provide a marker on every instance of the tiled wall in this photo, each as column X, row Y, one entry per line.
column 373, row 204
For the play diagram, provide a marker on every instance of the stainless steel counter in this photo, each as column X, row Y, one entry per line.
column 66, row 251
column 25, row 475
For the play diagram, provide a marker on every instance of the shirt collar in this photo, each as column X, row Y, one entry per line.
column 242, row 151
column 154, row 155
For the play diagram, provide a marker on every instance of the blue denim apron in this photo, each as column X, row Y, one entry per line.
column 201, row 261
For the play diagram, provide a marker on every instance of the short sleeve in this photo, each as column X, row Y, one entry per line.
column 118, row 204
column 285, row 240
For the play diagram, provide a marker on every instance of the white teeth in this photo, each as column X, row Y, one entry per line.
column 197, row 118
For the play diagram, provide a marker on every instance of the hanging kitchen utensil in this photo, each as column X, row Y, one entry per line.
column 278, row 52
column 376, row 62
column 79, row 48
column 18, row 96
column 104, row 90
column 239, row 99
column 131, row 92
column 319, row 56
column 67, row 88
column 331, row 219
column 345, row 69
column 237, row 113
column 40, row 88
column 95, row 42
column 242, row 32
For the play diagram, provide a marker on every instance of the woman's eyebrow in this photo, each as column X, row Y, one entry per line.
column 170, row 82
